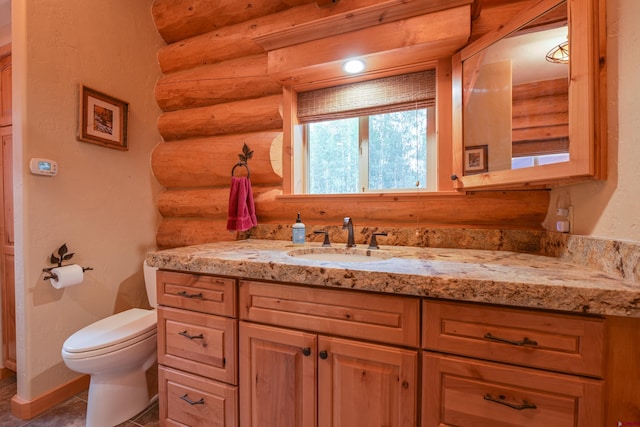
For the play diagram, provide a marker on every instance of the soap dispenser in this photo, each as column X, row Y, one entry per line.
column 298, row 231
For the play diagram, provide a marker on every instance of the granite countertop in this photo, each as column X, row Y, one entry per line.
column 498, row 277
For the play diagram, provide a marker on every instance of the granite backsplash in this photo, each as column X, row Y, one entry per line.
column 611, row 256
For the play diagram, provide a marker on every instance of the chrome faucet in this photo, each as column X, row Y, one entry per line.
column 348, row 225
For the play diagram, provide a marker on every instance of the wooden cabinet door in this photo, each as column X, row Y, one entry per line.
column 363, row 385
column 5, row 91
column 277, row 377
column 7, row 277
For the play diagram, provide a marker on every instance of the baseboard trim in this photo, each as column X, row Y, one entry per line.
column 27, row 409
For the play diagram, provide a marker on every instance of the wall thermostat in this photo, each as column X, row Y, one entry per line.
column 43, row 167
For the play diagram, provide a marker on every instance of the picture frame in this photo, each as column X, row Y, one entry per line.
column 103, row 119
column 476, row 159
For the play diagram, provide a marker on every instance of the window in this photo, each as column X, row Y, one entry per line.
column 380, row 152
column 374, row 136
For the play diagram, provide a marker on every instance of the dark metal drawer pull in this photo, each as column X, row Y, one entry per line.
column 186, row 295
column 191, row 337
column 192, row 402
column 501, row 400
column 523, row 341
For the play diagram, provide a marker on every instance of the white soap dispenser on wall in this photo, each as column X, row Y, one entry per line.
column 299, row 231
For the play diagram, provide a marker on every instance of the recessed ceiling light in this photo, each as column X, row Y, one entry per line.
column 353, row 66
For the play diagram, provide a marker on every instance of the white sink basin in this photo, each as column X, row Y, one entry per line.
column 339, row 254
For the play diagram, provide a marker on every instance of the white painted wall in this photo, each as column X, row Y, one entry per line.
column 611, row 209
column 102, row 203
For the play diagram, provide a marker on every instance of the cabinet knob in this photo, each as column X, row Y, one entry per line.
column 323, row 354
column 306, row 351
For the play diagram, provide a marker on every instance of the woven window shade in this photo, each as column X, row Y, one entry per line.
column 384, row 95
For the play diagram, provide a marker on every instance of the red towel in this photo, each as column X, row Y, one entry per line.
column 242, row 212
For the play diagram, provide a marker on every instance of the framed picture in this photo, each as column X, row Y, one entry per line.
column 475, row 159
column 103, row 119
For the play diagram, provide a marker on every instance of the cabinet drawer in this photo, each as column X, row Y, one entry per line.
column 557, row 342
column 382, row 318
column 189, row 400
column 466, row 392
column 198, row 343
column 208, row 294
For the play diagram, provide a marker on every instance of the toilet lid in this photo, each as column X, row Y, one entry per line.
column 113, row 330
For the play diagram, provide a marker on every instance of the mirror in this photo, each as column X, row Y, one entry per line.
column 524, row 112
column 515, row 102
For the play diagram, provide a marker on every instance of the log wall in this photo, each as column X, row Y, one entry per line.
column 540, row 118
column 216, row 95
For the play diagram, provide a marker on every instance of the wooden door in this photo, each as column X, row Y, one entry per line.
column 5, row 91
column 363, row 385
column 7, row 252
column 277, row 377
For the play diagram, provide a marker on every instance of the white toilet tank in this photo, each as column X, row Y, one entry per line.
column 150, row 283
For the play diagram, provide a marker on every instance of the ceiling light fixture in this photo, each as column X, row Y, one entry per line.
column 353, row 66
column 559, row 54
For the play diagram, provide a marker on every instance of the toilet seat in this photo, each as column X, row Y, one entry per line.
column 112, row 333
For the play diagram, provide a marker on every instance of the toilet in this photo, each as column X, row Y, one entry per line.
column 116, row 352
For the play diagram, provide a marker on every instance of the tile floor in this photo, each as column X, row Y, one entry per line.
column 70, row 413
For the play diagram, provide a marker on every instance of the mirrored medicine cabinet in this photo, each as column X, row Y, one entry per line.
column 529, row 100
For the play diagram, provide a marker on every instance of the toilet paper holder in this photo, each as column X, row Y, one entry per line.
column 63, row 255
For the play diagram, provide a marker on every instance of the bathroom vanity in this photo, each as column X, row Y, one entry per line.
column 254, row 333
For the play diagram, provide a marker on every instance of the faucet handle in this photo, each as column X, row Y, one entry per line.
column 326, row 242
column 374, row 242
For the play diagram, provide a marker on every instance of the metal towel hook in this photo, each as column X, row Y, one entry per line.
column 244, row 158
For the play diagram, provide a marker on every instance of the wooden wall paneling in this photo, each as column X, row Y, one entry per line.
column 496, row 14
column 426, row 38
column 178, row 232
column 180, row 19
column 541, row 105
column 232, row 117
column 207, row 162
column 206, row 123
column 227, row 81
column 482, row 209
column 354, row 20
column 207, row 202
column 237, row 40
column 540, row 118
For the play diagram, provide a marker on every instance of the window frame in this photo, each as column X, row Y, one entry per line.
column 294, row 161
column 363, row 157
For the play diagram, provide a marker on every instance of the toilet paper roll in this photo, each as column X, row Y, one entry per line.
column 68, row 275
